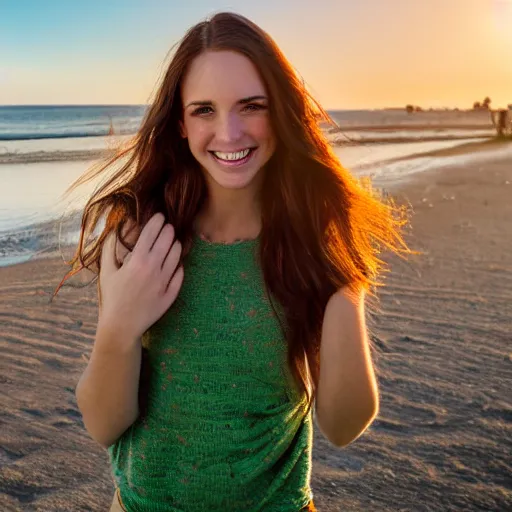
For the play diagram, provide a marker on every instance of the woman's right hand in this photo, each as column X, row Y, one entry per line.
column 138, row 293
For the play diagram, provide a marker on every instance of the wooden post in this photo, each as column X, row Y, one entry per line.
column 500, row 121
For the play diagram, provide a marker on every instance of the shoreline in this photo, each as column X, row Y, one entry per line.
column 334, row 135
column 97, row 154
column 470, row 148
column 49, row 237
column 415, row 127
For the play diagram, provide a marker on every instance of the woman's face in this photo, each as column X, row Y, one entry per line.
column 226, row 118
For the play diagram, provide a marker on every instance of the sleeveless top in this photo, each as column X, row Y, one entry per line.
column 225, row 427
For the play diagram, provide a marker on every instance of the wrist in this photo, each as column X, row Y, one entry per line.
column 115, row 333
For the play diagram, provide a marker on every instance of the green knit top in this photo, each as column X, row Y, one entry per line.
column 225, row 427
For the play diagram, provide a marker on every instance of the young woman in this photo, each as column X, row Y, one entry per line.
column 233, row 267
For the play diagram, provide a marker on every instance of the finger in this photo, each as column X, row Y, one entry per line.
column 175, row 285
column 121, row 251
column 163, row 244
column 126, row 259
column 149, row 234
column 171, row 262
column 107, row 259
column 130, row 233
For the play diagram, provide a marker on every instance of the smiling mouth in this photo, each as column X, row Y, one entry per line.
column 237, row 157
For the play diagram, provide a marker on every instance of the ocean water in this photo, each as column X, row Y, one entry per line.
column 43, row 149
column 59, row 122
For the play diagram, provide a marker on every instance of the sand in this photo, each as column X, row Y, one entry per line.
column 443, row 332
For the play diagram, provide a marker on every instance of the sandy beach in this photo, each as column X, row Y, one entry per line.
column 442, row 333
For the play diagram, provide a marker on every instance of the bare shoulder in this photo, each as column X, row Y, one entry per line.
column 344, row 313
column 346, row 299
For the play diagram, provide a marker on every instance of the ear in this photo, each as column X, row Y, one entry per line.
column 183, row 130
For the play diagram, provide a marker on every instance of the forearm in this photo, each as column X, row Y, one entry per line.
column 107, row 392
column 346, row 407
column 347, row 399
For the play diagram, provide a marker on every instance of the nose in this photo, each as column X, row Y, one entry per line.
column 229, row 128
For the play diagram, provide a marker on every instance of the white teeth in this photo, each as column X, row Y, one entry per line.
column 232, row 156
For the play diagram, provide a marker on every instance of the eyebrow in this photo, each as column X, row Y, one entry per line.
column 243, row 101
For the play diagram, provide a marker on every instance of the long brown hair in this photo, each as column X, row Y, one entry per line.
column 321, row 229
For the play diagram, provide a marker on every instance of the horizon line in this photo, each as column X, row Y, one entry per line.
column 68, row 105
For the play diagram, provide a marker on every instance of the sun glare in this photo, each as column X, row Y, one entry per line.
column 503, row 17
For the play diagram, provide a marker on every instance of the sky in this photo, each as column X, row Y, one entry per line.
column 352, row 55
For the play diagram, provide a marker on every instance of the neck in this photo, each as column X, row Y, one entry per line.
column 230, row 215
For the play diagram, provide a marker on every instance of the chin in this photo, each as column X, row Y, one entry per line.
column 234, row 181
